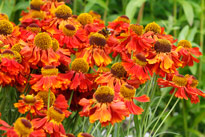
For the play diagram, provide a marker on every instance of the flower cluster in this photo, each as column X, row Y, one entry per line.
column 96, row 68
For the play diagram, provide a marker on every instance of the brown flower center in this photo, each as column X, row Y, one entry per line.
column 97, row 39
column 153, row 27
column 179, row 80
column 30, row 99
column 123, row 18
column 36, row 4
column 43, row 41
column 138, row 29
column 55, row 114
column 44, row 96
column 63, row 12
column 162, row 45
column 5, row 27
column 104, row 94
column 85, row 18
column 127, row 91
column 140, row 59
column 80, row 65
column 69, row 30
column 118, row 70
column 184, row 43
column 23, row 126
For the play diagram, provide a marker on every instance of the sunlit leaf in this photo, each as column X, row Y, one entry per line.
column 183, row 33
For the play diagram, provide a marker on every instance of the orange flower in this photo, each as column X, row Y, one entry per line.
column 121, row 24
column 164, row 59
column 96, row 53
column 71, row 37
column 185, row 87
column 127, row 94
column 51, row 123
column 49, row 79
column 42, row 52
column 9, row 62
column 116, row 77
column 103, row 107
column 78, row 77
column 29, row 103
column 137, row 67
column 22, row 128
column 186, row 51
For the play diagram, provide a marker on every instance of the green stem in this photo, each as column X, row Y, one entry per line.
column 105, row 12
column 118, row 129
column 90, row 128
column 163, row 112
column 110, row 131
column 95, row 128
column 128, row 127
column 175, row 16
column 2, row 3
column 166, row 117
column 185, row 118
column 137, row 126
column 75, row 7
column 70, row 99
column 201, row 38
column 49, row 92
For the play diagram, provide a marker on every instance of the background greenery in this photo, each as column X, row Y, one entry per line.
column 184, row 19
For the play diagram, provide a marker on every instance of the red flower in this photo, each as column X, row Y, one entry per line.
column 127, row 94
column 103, row 107
column 186, row 51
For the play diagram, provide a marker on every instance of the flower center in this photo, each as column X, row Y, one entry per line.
column 80, row 65
column 69, row 30
column 104, row 94
column 16, row 47
column 140, row 59
column 17, row 56
column 85, row 18
column 36, row 4
column 194, row 81
column 97, row 39
column 23, row 126
column 55, row 45
column 37, row 14
column 44, row 96
column 184, row 43
column 162, row 45
column 123, row 18
column 118, row 70
column 127, row 91
column 33, row 27
column 179, row 80
column 55, row 114
column 138, row 29
column 153, row 27
column 94, row 14
column 43, row 41
column 63, row 12
column 8, row 54
column 5, row 27
column 30, row 99
column 49, row 71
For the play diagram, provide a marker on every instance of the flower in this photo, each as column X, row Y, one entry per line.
column 103, row 107
column 29, row 103
column 84, row 135
column 49, row 79
column 137, row 67
column 186, row 51
column 164, row 59
column 96, row 53
column 22, row 128
column 41, row 53
column 51, row 123
column 116, row 77
column 44, row 96
column 184, row 86
column 78, row 77
column 127, row 94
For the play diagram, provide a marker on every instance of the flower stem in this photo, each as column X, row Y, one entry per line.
column 166, row 117
column 140, row 14
column 105, row 12
column 175, row 16
column 95, row 127
column 185, row 118
column 110, row 131
column 70, row 99
column 163, row 112
column 75, row 7
column 49, row 92
column 128, row 128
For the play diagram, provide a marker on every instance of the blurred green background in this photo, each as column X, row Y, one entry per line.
column 184, row 19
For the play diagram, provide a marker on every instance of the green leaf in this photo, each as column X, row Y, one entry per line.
column 192, row 34
column 91, row 3
column 22, row 5
column 183, row 33
column 188, row 10
column 199, row 134
column 193, row 69
column 132, row 7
